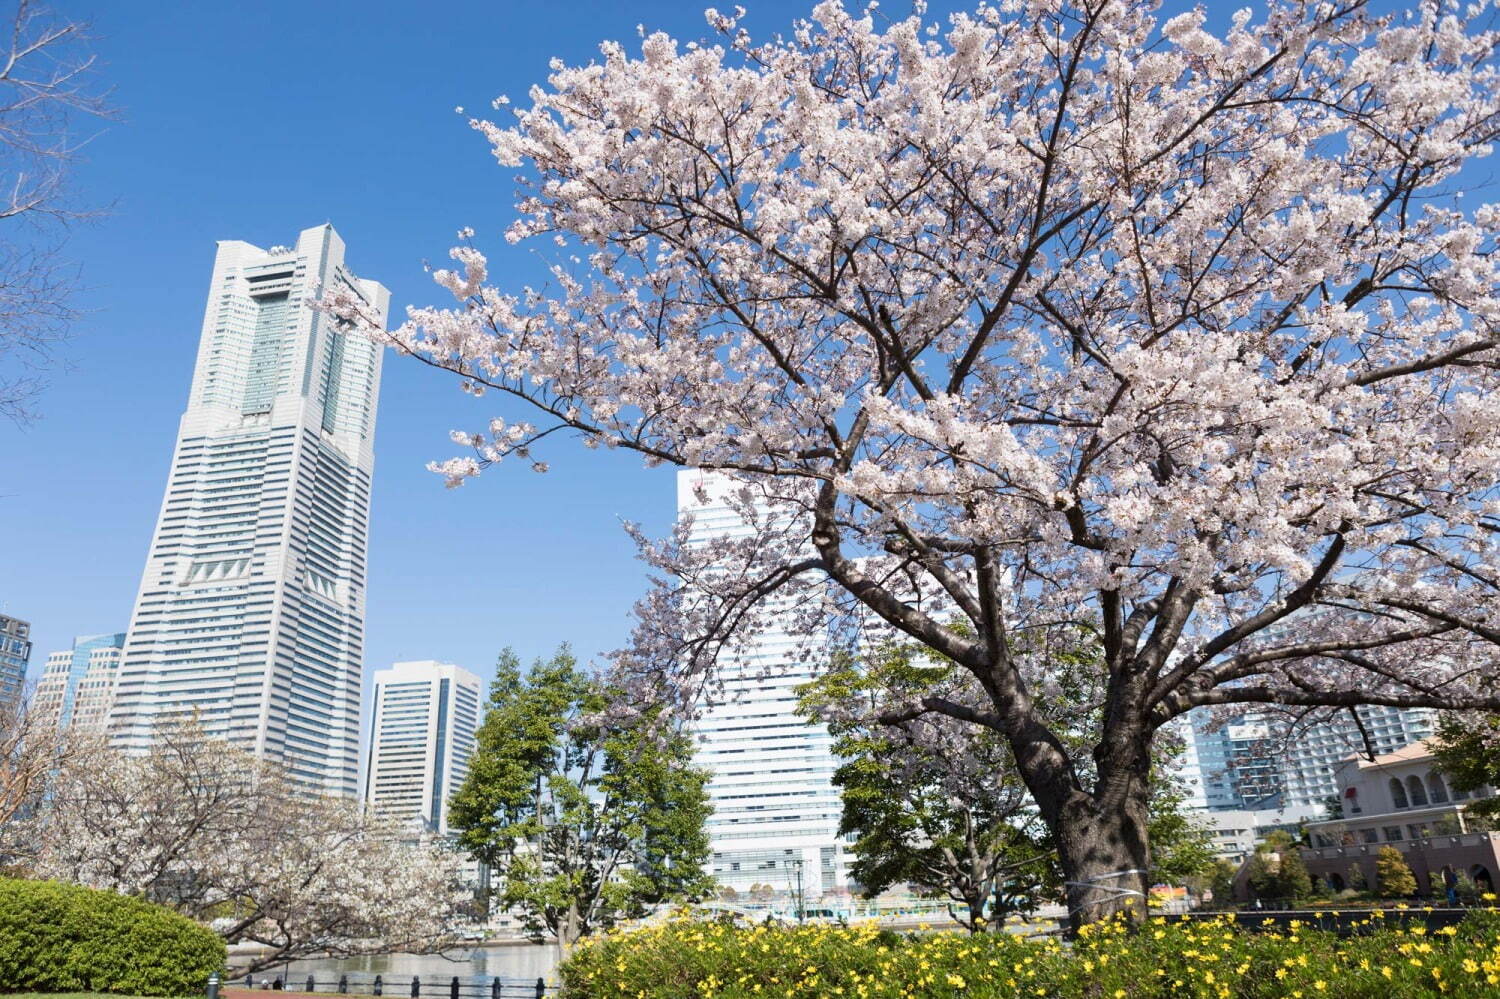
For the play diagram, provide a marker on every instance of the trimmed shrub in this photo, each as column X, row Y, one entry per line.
column 63, row 938
column 1394, row 878
column 1165, row 959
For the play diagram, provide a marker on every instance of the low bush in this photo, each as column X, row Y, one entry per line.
column 1204, row 959
column 63, row 938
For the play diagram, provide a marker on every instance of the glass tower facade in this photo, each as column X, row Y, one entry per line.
column 250, row 613
column 1252, row 761
column 15, row 654
column 77, row 687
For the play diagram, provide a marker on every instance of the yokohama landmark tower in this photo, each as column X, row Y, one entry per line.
column 250, row 614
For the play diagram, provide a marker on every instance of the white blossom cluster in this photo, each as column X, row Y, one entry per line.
column 1085, row 319
column 205, row 828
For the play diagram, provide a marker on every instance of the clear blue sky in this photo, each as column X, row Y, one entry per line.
column 253, row 122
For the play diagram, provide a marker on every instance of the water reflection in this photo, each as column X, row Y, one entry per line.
column 516, row 961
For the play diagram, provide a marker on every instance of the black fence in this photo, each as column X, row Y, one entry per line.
column 396, row 987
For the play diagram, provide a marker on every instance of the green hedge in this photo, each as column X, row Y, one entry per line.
column 1209, row 959
column 63, row 938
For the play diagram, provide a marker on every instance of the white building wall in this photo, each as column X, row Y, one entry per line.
column 776, row 809
column 426, row 715
column 250, row 613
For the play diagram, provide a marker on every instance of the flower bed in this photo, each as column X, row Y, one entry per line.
column 1211, row 959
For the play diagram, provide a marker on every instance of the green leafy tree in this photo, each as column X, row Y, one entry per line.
column 1467, row 748
column 583, row 822
column 1293, row 878
column 1277, row 870
column 1393, row 878
column 940, row 805
column 1182, row 846
column 1221, row 881
column 1261, row 875
column 934, row 804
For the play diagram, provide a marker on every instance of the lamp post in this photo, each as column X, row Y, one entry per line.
column 797, row 866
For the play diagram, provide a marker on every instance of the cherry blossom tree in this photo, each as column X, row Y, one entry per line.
column 1072, row 314
column 48, row 90
column 31, row 751
column 207, row 829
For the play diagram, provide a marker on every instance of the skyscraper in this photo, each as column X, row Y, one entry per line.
column 776, row 809
column 1252, row 761
column 15, row 653
column 250, row 614
column 77, row 686
column 426, row 714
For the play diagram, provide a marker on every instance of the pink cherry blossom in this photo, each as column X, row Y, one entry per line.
column 1178, row 335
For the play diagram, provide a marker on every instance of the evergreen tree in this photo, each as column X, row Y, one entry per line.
column 1292, row 879
column 584, row 823
column 1221, row 882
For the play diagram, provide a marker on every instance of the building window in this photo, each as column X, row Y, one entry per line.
column 1392, row 834
column 1398, row 794
column 1415, row 791
column 1436, row 793
column 1369, row 836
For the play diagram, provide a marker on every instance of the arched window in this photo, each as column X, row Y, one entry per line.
column 1415, row 792
column 1436, row 793
column 1398, row 794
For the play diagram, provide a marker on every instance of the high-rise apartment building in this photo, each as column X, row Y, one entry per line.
column 426, row 715
column 250, row 614
column 775, row 807
column 15, row 654
column 1252, row 762
column 1313, row 756
column 77, row 686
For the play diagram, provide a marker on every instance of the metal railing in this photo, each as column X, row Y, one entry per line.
column 435, row 987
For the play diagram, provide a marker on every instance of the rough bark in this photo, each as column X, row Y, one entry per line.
column 1105, row 857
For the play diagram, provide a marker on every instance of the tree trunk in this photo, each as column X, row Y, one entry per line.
column 1105, row 859
column 974, row 902
column 569, row 930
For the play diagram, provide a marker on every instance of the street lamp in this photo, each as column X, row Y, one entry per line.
column 797, row 865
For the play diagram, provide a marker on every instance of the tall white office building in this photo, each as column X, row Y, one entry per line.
column 775, row 808
column 426, row 716
column 250, row 614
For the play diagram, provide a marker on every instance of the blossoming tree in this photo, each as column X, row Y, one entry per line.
column 207, row 829
column 1066, row 313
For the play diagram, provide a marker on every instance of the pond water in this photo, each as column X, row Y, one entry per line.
column 515, row 962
